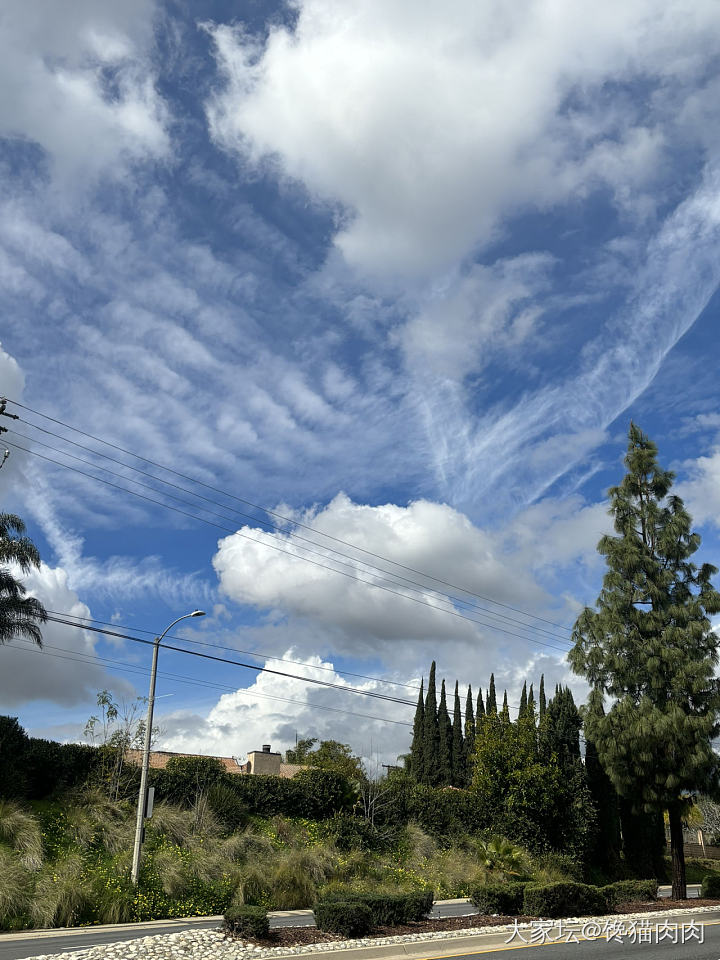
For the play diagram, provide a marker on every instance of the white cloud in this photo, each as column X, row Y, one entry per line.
column 242, row 721
column 57, row 674
column 360, row 620
column 428, row 124
column 77, row 80
column 701, row 489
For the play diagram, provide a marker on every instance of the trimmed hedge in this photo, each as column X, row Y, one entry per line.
column 563, row 900
column 348, row 918
column 628, row 891
column 387, row 909
column 502, row 898
column 246, row 921
column 710, row 886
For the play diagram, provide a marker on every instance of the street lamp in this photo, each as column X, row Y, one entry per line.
column 146, row 749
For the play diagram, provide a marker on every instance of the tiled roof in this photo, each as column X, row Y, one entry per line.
column 159, row 759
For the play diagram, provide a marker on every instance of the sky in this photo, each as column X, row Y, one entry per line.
column 400, row 275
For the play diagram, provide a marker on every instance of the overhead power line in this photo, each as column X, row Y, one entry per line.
column 273, row 546
column 77, row 657
column 269, row 512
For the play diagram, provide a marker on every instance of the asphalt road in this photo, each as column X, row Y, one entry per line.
column 17, row 947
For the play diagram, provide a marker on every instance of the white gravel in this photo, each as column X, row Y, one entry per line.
column 214, row 945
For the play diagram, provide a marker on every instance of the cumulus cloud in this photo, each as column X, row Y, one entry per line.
column 57, row 674
column 701, row 488
column 78, row 80
column 262, row 713
column 427, row 125
column 361, row 620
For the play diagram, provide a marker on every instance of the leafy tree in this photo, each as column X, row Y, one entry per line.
column 650, row 649
column 457, row 752
column 444, row 765
column 20, row 615
column 431, row 739
column 337, row 758
column 415, row 760
column 491, row 704
column 302, row 750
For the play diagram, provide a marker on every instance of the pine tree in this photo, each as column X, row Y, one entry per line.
column 491, row 705
column 505, row 709
column 469, row 742
column 542, row 703
column 650, row 649
column 444, row 771
column 431, row 738
column 416, row 762
column 523, row 701
column 480, row 711
column 531, row 701
column 457, row 753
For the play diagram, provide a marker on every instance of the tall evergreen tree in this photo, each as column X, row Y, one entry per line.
column 469, row 742
column 523, row 701
column 649, row 648
column 505, row 709
column 605, row 849
column 531, row 701
column 480, row 712
column 542, row 703
column 491, row 704
column 457, row 752
column 561, row 729
column 444, row 769
column 431, row 739
column 416, row 763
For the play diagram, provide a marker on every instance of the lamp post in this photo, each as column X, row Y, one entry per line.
column 146, row 749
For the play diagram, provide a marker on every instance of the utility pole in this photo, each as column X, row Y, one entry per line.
column 142, row 796
column 12, row 416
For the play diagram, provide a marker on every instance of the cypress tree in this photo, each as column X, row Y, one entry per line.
column 444, row 771
column 431, row 739
column 491, row 705
column 531, row 701
column 469, row 743
column 649, row 647
column 523, row 701
column 605, row 849
column 505, row 709
column 542, row 703
column 561, row 733
column 416, row 765
column 480, row 712
column 457, row 753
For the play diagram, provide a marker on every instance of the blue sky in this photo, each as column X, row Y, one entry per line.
column 401, row 274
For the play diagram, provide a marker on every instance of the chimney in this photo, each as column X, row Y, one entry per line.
column 266, row 748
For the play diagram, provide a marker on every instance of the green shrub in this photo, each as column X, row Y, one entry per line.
column 227, row 806
column 710, row 887
column 349, row 832
column 502, row 898
column 628, row 891
column 247, row 922
column 563, row 900
column 387, row 909
column 348, row 918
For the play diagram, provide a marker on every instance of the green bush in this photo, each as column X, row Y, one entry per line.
column 387, row 909
column 628, row 891
column 348, row 918
column 563, row 900
column 502, row 898
column 710, row 887
column 247, row 922
column 349, row 832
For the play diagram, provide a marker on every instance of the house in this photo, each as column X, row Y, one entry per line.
column 258, row 762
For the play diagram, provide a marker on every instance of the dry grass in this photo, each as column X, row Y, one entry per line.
column 62, row 893
column 15, row 888
column 21, row 831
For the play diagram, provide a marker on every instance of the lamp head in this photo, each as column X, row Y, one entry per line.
column 198, row 613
